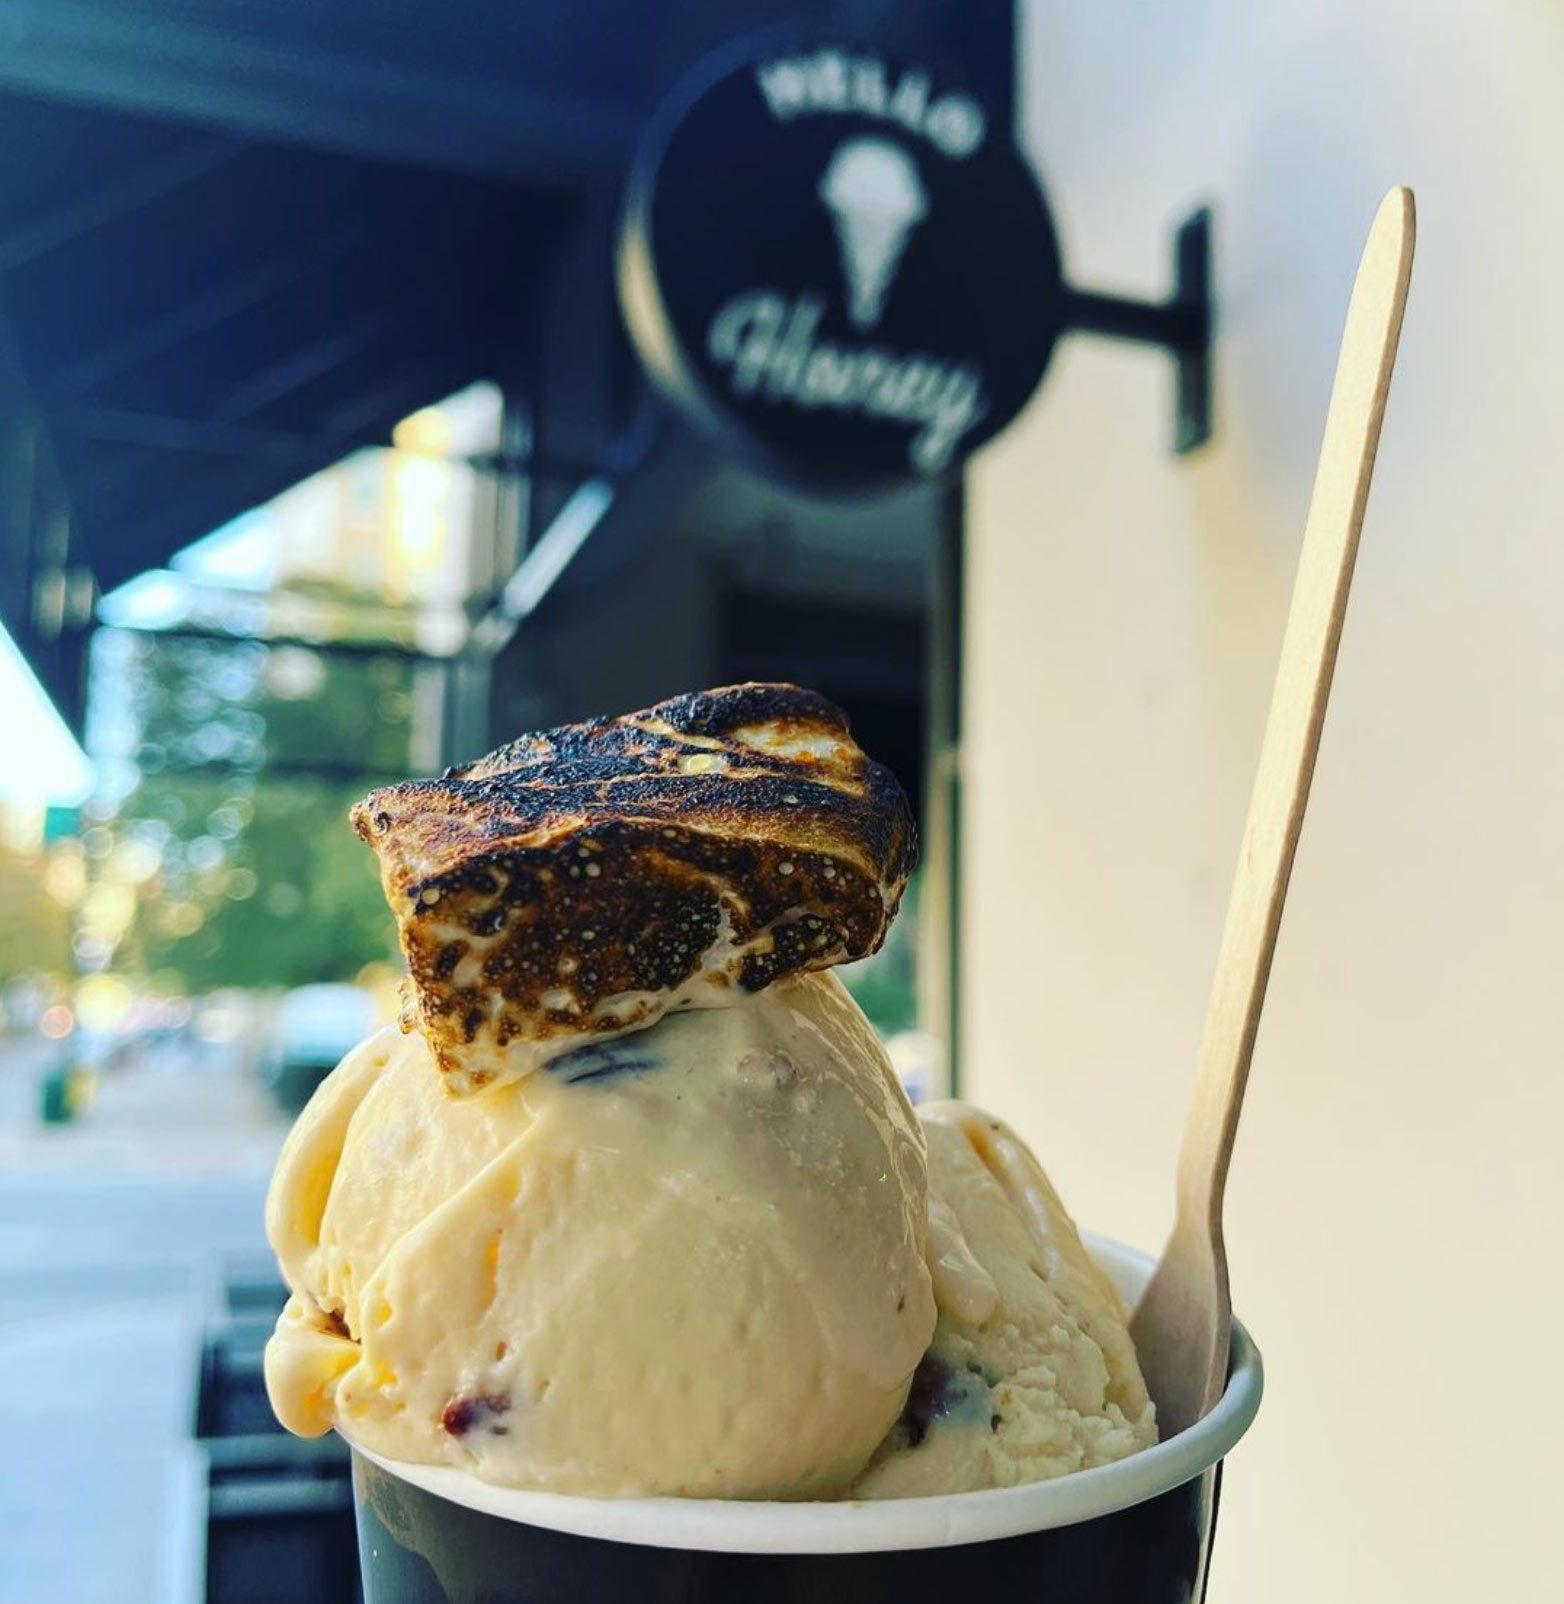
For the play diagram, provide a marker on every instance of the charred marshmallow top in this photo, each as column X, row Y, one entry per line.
column 587, row 880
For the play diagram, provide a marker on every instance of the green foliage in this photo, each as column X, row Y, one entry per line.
column 248, row 873
column 35, row 932
column 295, row 899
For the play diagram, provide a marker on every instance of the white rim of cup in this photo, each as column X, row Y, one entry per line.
column 738, row 1526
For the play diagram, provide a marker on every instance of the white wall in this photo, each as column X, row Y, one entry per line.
column 1402, row 1157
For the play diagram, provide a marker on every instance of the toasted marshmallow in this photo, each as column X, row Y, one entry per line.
column 585, row 881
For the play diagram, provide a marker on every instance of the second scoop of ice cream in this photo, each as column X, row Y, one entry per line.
column 690, row 1261
column 1031, row 1373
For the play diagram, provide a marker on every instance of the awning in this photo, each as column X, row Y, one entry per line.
column 240, row 238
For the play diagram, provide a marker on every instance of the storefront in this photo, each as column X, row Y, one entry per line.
column 328, row 449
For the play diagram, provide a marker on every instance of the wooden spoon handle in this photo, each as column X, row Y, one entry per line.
column 1292, row 731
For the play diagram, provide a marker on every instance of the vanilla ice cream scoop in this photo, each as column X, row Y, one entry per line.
column 687, row 1261
column 1031, row 1372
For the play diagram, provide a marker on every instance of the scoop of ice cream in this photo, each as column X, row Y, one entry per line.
column 583, row 881
column 1031, row 1372
column 688, row 1261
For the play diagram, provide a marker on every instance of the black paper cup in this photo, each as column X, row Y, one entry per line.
column 1135, row 1532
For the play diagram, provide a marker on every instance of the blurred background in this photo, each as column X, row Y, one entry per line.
column 324, row 461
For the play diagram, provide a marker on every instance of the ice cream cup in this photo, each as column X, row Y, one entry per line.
column 1135, row 1532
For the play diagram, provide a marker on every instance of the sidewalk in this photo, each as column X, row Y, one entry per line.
column 112, row 1234
column 163, row 1116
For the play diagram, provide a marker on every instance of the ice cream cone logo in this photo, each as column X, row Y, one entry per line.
column 872, row 190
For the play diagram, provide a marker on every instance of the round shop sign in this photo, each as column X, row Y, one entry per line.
column 840, row 261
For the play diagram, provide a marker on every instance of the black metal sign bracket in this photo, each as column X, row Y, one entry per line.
column 1182, row 325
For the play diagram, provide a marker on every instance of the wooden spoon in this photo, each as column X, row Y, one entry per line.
column 1182, row 1325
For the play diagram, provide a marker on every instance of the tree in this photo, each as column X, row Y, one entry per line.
column 35, row 929
column 232, row 767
